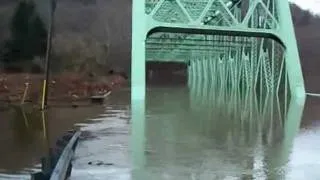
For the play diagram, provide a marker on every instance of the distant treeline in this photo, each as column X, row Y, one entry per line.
column 28, row 37
column 97, row 35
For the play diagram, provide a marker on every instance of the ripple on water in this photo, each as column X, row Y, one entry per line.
column 105, row 140
column 184, row 144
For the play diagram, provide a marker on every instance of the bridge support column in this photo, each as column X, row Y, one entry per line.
column 138, row 55
column 287, row 33
column 210, row 70
column 138, row 88
column 189, row 74
column 204, row 70
column 193, row 73
column 198, row 72
column 213, row 72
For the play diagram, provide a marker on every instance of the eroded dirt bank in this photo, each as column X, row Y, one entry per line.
column 66, row 87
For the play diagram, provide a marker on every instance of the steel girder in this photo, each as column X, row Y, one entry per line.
column 208, row 34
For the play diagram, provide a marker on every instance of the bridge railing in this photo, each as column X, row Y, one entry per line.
column 60, row 172
column 58, row 165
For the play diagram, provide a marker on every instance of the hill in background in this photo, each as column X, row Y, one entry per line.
column 100, row 31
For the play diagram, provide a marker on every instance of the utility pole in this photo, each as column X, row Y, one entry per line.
column 48, row 56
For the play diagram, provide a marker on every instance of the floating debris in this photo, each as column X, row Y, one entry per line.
column 100, row 163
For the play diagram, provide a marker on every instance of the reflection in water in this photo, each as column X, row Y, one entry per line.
column 22, row 132
column 137, row 140
column 26, row 134
column 178, row 133
column 34, row 124
column 212, row 134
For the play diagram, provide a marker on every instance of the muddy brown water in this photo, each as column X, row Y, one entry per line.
column 173, row 139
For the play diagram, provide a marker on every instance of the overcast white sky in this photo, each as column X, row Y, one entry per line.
column 312, row 5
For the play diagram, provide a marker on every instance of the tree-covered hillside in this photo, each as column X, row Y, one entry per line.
column 100, row 31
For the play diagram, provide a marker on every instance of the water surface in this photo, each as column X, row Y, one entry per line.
column 178, row 136
column 27, row 134
column 181, row 134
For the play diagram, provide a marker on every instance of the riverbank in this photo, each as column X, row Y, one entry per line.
column 66, row 88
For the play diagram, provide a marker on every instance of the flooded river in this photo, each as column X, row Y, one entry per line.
column 180, row 135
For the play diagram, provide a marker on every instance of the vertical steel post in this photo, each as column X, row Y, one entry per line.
column 138, row 56
column 291, row 53
column 48, row 55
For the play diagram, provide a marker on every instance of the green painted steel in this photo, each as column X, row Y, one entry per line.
column 262, row 118
column 234, row 120
column 236, row 46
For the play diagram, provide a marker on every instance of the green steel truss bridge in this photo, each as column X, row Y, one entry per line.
column 238, row 47
column 243, row 68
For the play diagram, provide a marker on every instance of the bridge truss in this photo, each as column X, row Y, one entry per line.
column 237, row 46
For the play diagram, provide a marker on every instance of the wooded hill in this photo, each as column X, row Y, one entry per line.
column 100, row 31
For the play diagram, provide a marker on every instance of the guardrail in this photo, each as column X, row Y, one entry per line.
column 59, row 169
column 63, row 165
